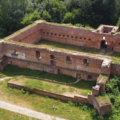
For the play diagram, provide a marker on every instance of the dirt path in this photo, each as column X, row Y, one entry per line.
column 27, row 112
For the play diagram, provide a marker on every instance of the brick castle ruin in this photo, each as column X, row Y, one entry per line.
column 19, row 49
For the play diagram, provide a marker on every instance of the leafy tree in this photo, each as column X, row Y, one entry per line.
column 46, row 16
column 56, row 10
column 68, row 18
column 30, row 18
column 118, row 23
column 71, row 4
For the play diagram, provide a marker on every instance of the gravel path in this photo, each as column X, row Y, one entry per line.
column 27, row 112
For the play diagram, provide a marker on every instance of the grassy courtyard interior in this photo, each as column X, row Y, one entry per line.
column 14, row 71
column 81, row 88
column 72, row 48
column 64, row 47
column 40, row 103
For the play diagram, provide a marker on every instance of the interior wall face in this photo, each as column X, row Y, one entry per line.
column 67, row 35
column 59, row 60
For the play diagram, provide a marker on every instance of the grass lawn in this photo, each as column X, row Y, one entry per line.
column 44, row 104
column 81, row 88
column 65, row 47
column 13, row 71
column 8, row 115
column 115, row 57
column 68, row 110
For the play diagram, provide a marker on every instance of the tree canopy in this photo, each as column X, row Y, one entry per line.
column 15, row 14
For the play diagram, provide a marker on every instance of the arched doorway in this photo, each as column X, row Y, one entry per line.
column 103, row 44
column 59, row 71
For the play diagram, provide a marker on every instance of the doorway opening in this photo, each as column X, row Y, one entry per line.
column 103, row 44
column 89, row 77
column 59, row 71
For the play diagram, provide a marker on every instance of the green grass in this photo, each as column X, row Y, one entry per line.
column 81, row 88
column 7, row 115
column 115, row 57
column 13, row 71
column 65, row 47
column 44, row 104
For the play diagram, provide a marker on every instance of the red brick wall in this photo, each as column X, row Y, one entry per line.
column 77, row 64
column 50, row 69
column 28, row 35
column 76, row 98
column 115, row 70
column 68, row 35
column 1, row 50
column 102, row 109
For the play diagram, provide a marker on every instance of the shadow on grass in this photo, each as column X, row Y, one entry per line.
column 67, row 47
column 85, row 85
column 13, row 71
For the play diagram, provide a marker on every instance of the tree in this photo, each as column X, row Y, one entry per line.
column 46, row 16
column 68, row 18
column 56, row 10
column 11, row 13
column 30, row 18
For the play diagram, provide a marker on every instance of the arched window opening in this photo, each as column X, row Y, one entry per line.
column 52, row 57
column 68, row 60
column 38, row 55
column 86, row 62
column 52, row 61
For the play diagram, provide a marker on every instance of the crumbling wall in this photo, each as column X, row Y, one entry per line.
column 88, row 38
column 115, row 69
column 1, row 50
column 50, row 69
column 56, row 59
column 102, row 109
column 76, row 98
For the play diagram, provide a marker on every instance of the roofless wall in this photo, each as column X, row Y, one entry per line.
column 69, row 35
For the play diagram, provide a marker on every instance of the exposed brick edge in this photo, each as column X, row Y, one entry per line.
column 76, row 98
column 90, row 99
